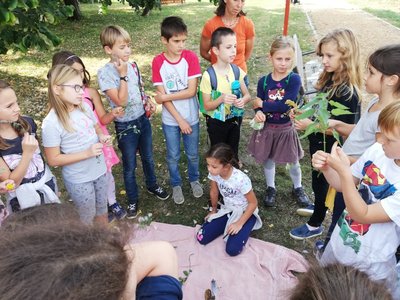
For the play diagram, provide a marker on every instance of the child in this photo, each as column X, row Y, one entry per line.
column 92, row 97
column 119, row 80
column 73, row 140
column 175, row 75
column 341, row 79
column 368, row 232
column 238, row 216
column 277, row 141
column 227, row 130
column 20, row 157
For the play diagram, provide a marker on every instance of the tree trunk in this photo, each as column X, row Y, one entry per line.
column 77, row 10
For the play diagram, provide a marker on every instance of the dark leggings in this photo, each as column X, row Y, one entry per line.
column 209, row 231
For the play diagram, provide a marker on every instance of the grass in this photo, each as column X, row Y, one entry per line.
column 27, row 73
column 388, row 10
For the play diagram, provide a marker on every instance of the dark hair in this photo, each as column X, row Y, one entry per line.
column 20, row 126
column 336, row 281
column 68, row 58
column 220, row 11
column 224, row 154
column 387, row 61
column 63, row 260
column 171, row 26
column 216, row 37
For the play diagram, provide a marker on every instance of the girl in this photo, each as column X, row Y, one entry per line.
column 277, row 141
column 92, row 97
column 71, row 139
column 238, row 216
column 341, row 78
column 20, row 157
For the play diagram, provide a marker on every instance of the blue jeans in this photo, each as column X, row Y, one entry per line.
column 134, row 135
column 191, row 145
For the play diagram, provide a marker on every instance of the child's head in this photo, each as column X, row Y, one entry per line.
column 63, row 260
column 223, row 44
column 10, row 112
column 282, row 53
column 70, row 59
column 219, row 158
column 340, row 53
column 65, row 92
column 389, row 125
column 173, row 35
column 337, row 281
column 116, row 42
column 384, row 70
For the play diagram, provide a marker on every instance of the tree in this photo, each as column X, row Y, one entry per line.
column 24, row 24
column 144, row 6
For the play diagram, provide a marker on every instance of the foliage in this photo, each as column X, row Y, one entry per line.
column 24, row 24
column 317, row 110
column 143, row 6
column 215, row 2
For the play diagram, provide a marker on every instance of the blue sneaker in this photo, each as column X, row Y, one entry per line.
column 111, row 217
column 118, row 211
column 302, row 232
column 306, row 211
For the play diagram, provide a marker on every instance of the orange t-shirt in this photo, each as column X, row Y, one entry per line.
column 244, row 30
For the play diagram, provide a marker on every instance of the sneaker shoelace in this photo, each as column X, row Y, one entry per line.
column 132, row 206
column 159, row 190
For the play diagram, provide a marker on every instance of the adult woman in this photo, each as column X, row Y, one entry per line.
column 229, row 14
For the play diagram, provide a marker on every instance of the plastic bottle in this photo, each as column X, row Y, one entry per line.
column 236, row 111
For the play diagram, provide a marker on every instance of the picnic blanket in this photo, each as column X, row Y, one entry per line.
column 262, row 271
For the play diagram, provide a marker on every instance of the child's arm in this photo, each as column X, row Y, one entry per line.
column 213, row 104
column 104, row 117
column 214, row 192
column 245, row 96
column 234, row 228
column 120, row 96
column 183, row 125
column 29, row 146
column 344, row 129
column 57, row 159
column 161, row 97
column 355, row 205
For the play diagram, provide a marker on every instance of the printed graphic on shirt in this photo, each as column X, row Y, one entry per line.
column 373, row 185
column 36, row 164
column 227, row 191
column 276, row 94
column 174, row 83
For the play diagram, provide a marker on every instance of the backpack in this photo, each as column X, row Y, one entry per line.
column 219, row 112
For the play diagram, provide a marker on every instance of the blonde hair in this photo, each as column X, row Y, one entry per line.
column 389, row 118
column 349, row 74
column 110, row 34
column 281, row 42
column 58, row 75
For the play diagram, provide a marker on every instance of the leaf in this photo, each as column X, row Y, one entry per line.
column 306, row 114
column 323, row 117
column 49, row 18
column 336, row 135
column 310, row 103
column 312, row 128
column 12, row 4
column 337, row 104
column 340, row 112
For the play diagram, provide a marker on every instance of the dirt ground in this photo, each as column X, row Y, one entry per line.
column 372, row 32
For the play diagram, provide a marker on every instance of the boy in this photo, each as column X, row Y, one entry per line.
column 226, row 129
column 175, row 76
column 368, row 232
column 119, row 80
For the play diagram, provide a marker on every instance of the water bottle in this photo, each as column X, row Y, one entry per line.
column 236, row 111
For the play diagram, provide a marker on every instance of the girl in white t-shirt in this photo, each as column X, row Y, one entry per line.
column 238, row 216
column 73, row 139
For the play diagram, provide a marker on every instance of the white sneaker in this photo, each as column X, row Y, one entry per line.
column 197, row 189
column 177, row 195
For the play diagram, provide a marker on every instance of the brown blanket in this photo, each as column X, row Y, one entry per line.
column 262, row 271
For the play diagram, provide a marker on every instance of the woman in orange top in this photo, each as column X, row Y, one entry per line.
column 229, row 14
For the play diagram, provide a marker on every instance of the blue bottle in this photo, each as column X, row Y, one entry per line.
column 236, row 111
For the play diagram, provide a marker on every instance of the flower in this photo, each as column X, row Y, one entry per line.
column 10, row 186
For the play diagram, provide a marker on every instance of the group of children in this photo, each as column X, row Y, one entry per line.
column 75, row 137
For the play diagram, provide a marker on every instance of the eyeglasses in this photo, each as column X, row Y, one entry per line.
column 76, row 87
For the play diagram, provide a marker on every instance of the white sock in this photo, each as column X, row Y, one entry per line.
column 311, row 228
column 269, row 172
column 295, row 174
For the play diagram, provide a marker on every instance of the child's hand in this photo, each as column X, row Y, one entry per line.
column 95, row 150
column 209, row 214
column 105, row 139
column 319, row 160
column 239, row 103
column 185, row 127
column 6, row 186
column 333, row 123
column 29, row 143
column 159, row 97
column 260, row 117
column 257, row 103
column 234, row 228
column 151, row 105
column 228, row 98
column 118, row 112
column 121, row 66
column 302, row 124
column 338, row 160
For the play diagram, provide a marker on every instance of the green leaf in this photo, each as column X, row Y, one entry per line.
column 340, row 112
column 310, row 103
column 49, row 18
column 323, row 116
column 306, row 114
column 337, row 105
column 12, row 4
column 312, row 128
column 336, row 135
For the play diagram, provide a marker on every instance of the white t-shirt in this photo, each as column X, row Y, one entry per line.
column 371, row 247
column 55, row 135
column 174, row 77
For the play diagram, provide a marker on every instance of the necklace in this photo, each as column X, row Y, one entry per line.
column 230, row 24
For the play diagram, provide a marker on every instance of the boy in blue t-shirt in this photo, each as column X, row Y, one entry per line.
column 175, row 75
column 119, row 80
